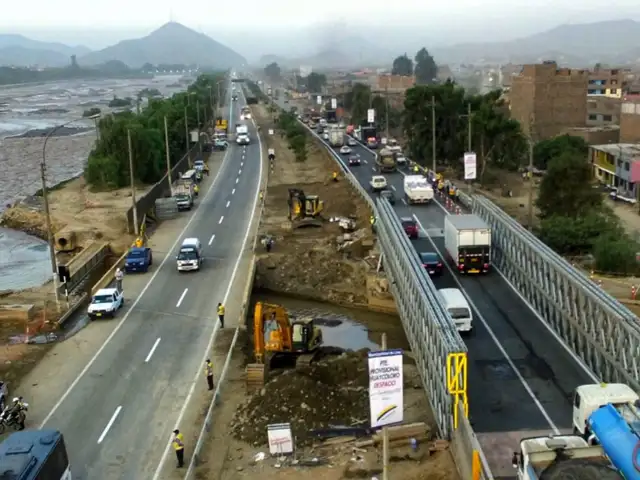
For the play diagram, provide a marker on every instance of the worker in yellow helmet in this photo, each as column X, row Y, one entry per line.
column 221, row 314
column 196, row 190
column 335, row 176
column 208, row 370
column 139, row 242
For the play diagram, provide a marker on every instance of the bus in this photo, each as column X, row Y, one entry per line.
column 34, row 455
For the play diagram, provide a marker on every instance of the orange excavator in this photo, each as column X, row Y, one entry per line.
column 275, row 334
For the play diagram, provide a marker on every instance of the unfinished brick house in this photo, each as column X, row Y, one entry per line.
column 549, row 98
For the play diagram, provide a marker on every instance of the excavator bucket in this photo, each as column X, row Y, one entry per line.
column 256, row 375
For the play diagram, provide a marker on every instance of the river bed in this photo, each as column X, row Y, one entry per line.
column 24, row 260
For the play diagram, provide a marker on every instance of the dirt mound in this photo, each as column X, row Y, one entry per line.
column 332, row 392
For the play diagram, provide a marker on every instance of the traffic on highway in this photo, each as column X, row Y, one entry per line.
column 135, row 391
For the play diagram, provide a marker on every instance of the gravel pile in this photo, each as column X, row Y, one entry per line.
column 333, row 392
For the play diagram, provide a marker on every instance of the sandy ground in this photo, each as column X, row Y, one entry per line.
column 306, row 261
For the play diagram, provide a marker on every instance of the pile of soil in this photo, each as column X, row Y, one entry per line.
column 334, row 391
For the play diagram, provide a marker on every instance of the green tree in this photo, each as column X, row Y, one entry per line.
column 108, row 163
column 315, row 82
column 426, row 70
column 546, row 150
column 295, row 134
column 402, row 65
column 272, row 72
column 567, row 189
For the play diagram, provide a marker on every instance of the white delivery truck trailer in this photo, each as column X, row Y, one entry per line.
column 417, row 189
column 467, row 240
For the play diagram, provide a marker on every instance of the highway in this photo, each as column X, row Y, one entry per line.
column 119, row 413
column 521, row 375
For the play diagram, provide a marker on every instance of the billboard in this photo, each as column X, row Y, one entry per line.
column 386, row 382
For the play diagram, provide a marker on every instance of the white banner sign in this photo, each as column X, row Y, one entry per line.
column 385, row 387
column 334, row 103
column 194, row 136
column 371, row 115
column 470, row 166
column 280, row 438
column 270, row 131
column 319, row 99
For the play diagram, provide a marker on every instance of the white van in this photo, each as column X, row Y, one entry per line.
column 190, row 255
column 458, row 307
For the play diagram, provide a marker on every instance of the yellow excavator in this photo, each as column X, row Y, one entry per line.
column 304, row 210
column 275, row 334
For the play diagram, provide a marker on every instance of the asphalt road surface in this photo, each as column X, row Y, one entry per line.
column 521, row 377
column 117, row 418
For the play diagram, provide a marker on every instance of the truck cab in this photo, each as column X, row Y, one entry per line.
column 589, row 398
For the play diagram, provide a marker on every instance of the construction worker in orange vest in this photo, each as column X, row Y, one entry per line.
column 178, row 446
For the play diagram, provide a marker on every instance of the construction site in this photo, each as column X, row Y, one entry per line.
column 316, row 271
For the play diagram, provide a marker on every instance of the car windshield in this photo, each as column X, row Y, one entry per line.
column 408, row 224
column 187, row 255
column 459, row 313
column 102, row 299
column 429, row 257
column 136, row 254
column 182, row 196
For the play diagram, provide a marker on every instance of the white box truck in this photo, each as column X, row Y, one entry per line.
column 336, row 137
column 467, row 240
column 417, row 189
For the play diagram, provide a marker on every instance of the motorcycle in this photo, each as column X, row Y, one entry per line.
column 11, row 419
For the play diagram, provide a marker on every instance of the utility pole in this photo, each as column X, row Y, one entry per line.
column 52, row 251
column 469, row 117
column 198, row 118
column 186, row 131
column 133, row 185
column 386, row 110
column 166, row 146
column 530, row 177
column 433, row 134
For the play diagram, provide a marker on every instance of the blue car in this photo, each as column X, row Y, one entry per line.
column 139, row 259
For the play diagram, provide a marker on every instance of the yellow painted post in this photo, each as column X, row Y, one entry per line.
column 457, row 383
column 476, row 466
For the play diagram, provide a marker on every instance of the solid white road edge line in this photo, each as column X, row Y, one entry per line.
column 493, row 336
column 198, row 373
column 153, row 349
column 184, row 294
column 213, row 237
column 137, row 300
column 110, row 424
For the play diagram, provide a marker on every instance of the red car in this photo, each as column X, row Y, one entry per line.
column 431, row 263
column 410, row 227
column 354, row 160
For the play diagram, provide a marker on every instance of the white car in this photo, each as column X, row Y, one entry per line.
column 105, row 303
column 378, row 183
column 345, row 150
column 325, row 136
column 401, row 160
column 351, row 142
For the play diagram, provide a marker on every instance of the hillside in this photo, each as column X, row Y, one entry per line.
column 576, row 45
column 172, row 43
column 18, row 50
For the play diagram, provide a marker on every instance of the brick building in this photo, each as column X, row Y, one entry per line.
column 608, row 82
column 630, row 120
column 553, row 98
column 603, row 110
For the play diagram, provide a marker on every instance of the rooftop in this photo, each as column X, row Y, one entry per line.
column 627, row 149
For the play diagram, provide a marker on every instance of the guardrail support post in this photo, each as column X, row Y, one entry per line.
column 379, row 263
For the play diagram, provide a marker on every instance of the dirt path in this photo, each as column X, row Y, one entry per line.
column 307, row 261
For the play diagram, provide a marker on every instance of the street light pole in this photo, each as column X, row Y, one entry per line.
column 186, row 130
column 47, row 210
column 198, row 118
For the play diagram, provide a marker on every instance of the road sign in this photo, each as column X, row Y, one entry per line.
column 386, row 387
column 371, row 115
column 470, row 166
column 334, row 103
column 319, row 99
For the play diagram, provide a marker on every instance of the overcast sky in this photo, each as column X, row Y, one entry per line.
column 97, row 23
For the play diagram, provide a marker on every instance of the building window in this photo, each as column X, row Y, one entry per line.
column 620, row 163
column 614, row 91
column 593, row 117
column 607, row 118
column 626, row 166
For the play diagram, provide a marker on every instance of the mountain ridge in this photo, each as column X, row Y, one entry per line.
column 172, row 43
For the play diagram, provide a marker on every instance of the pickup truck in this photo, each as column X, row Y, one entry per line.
column 105, row 303
column 139, row 259
column 378, row 183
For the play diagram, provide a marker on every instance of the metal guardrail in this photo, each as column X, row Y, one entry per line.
column 431, row 332
column 83, row 270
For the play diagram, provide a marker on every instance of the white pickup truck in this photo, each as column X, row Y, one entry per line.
column 105, row 303
column 417, row 189
column 378, row 183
